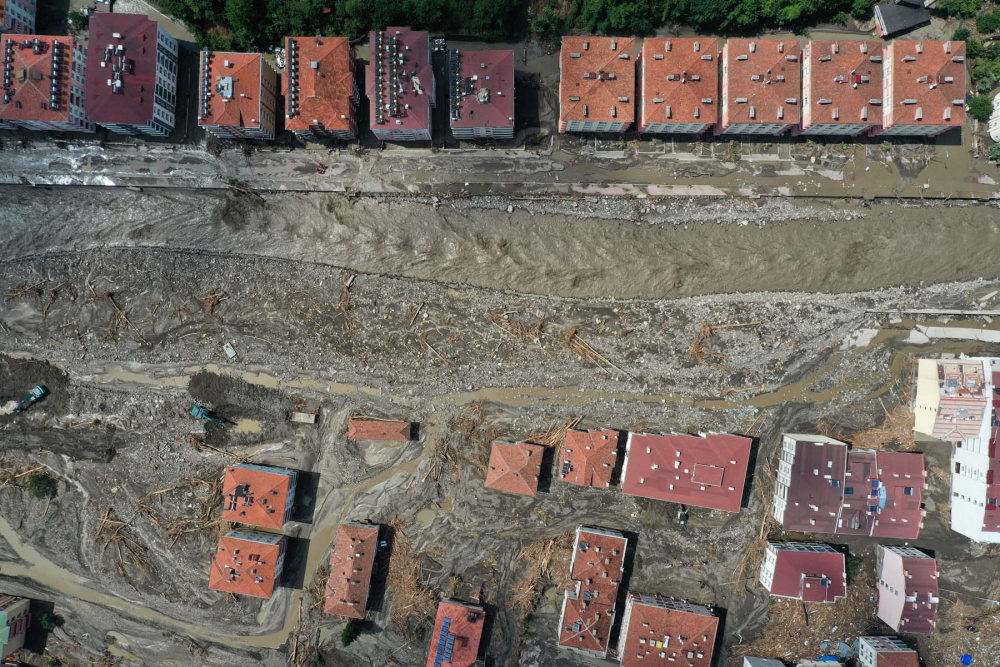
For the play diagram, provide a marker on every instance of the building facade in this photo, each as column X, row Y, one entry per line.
column 924, row 87
column 761, row 86
column 907, row 580
column 131, row 75
column 400, row 85
column 886, row 652
column 238, row 95
column 842, row 87
column 18, row 16
column 662, row 632
column 15, row 618
column 679, row 83
column 809, row 571
column 596, row 84
column 320, row 89
column 44, row 84
column 481, row 94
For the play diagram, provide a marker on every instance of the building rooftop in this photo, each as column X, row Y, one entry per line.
column 914, row 608
column 764, row 81
column 902, row 477
column 481, row 92
column 245, row 563
column 515, row 468
column 403, row 87
column 351, row 570
column 845, row 86
column 816, row 488
column 39, row 79
column 588, row 457
column 706, row 471
column 813, row 572
column 256, row 495
column 597, row 566
column 121, row 92
column 324, row 84
column 896, row 17
column 901, row 659
column 597, row 79
column 663, row 632
column 680, row 80
column 928, row 82
column 457, row 632
column 230, row 89
column 951, row 403
column 378, row 429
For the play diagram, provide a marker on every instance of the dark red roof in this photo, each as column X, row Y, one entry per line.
column 904, row 477
column 31, row 79
column 812, row 576
column 706, row 471
column 588, row 457
column 493, row 72
column 690, row 636
column 351, row 570
column 415, row 79
column 133, row 105
column 456, row 635
column 598, row 561
column 515, row 468
column 897, row 659
column 816, row 488
column 378, row 429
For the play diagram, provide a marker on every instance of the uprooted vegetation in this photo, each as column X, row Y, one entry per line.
column 207, row 509
column 413, row 602
column 963, row 629
column 547, row 562
column 477, row 432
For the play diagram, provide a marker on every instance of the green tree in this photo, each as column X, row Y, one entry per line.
column 987, row 23
column 853, row 567
column 493, row 20
column 350, row 632
column 47, row 622
column 961, row 34
column 40, row 486
column 961, row 8
column 981, row 107
column 862, row 9
column 995, row 153
column 246, row 20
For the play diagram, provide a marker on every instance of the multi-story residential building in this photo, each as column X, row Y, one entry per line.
column 761, row 86
column 893, row 17
column 663, row 632
column 589, row 457
column 809, row 571
column 131, row 75
column 514, row 467
column 248, row 562
column 321, row 92
column 841, row 87
column 706, row 470
column 400, row 85
column 923, row 91
column 679, row 84
column 458, row 631
column 588, row 611
column 481, row 94
column 823, row 488
column 14, row 621
column 596, row 84
column 907, row 589
column 18, row 16
column 351, row 569
column 258, row 495
column 886, row 652
column 238, row 95
column 44, row 84
column 957, row 402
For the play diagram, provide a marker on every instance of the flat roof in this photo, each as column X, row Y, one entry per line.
column 845, row 83
column 131, row 103
column 680, row 80
column 483, row 95
column 514, row 468
column 764, row 81
column 457, row 633
column 38, row 62
column 706, row 470
column 928, row 81
column 597, row 79
column 324, row 93
column 256, row 495
column 407, row 86
column 351, row 570
column 589, row 457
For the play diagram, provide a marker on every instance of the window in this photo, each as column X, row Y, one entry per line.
column 848, row 490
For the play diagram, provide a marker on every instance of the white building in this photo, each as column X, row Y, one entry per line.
column 872, row 649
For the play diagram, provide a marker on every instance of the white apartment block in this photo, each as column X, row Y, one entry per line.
column 873, row 647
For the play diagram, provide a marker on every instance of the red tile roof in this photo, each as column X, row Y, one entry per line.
column 682, row 79
column 813, row 576
column 897, row 659
column 456, row 635
column 903, row 476
column 244, row 94
column 588, row 457
column 515, row 468
column 378, row 429
column 133, row 105
column 256, row 496
column 768, row 78
column 351, row 570
column 487, row 101
column 815, row 492
column 601, row 78
column 660, row 636
column 415, row 79
column 705, row 471
column 32, row 75
column 326, row 93
column 845, row 77
column 246, row 566
column 597, row 566
column 929, row 76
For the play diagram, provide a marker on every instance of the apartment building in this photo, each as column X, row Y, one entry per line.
column 481, row 94
column 320, row 89
column 679, row 84
column 907, row 580
column 808, row 571
column 596, row 84
column 248, row 562
column 351, row 566
column 258, row 495
column 842, row 87
column 589, row 457
column 238, row 95
column 458, row 631
column 659, row 631
column 924, row 84
column 18, row 16
column 761, row 86
column 400, row 85
column 44, row 84
column 886, row 652
column 15, row 618
column 131, row 75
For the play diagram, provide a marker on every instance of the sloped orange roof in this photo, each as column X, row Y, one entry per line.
column 255, row 496
column 692, row 635
column 243, row 108
column 32, row 76
column 378, row 429
column 680, row 74
column 846, row 76
column 765, row 76
column 596, row 74
column 515, row 468
column 929, row 76
column 457, row 633
column 246, row 562
column 589, row 613
column 351, row 570
column 325, row 92
column 588, row 457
